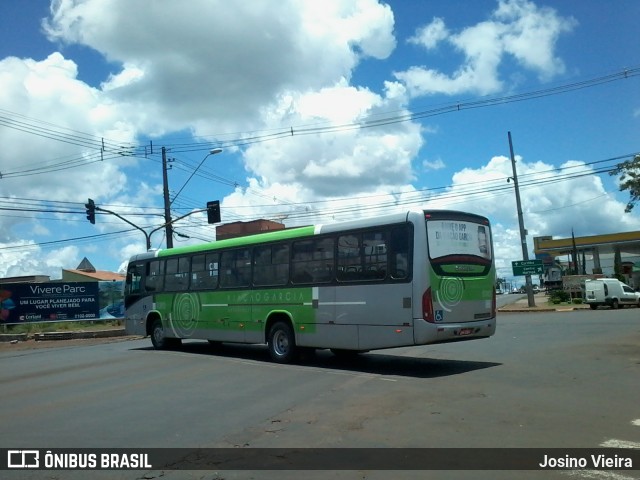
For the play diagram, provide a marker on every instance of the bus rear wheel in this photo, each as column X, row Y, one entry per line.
column 282, row 343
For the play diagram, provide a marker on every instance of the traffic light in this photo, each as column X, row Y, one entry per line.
column 91, row 211
column 213, row 212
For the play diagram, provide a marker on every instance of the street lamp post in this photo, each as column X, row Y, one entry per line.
column 167, row 203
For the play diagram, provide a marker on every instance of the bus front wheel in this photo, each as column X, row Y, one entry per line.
column 282, row 343
column 159, row 341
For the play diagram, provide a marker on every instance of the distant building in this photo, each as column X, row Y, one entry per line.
column 86, row 272
column 240, row 229
column 592, row 255
column 26, row 279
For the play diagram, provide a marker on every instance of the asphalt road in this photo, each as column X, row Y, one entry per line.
column 565, row 379
column 507, row 299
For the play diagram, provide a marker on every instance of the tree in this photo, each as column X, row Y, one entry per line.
column 617, row 265
column 629, row 172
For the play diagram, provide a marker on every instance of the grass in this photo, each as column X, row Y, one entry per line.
column 574, row 301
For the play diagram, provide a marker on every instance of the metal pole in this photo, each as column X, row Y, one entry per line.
column 523, row 231
column 146, row 235
column 167, row 204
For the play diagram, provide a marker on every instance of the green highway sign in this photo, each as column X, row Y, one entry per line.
column 527, row 267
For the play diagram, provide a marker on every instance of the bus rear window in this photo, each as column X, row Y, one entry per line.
column 460, row 238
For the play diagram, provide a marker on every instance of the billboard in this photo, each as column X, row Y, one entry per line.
column 60, row 302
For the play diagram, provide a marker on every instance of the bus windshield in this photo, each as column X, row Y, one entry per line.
column 458, row 239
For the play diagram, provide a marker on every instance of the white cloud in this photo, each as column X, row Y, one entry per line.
column 347, row 162
column 221, row 63
column 517, row 28
column 532, row 34
column 430, row 35
column 436, row 164
column 31, row 260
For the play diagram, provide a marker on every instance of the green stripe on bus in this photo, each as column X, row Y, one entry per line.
column 273, row 236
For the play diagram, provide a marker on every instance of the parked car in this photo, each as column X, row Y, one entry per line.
column 610, row 292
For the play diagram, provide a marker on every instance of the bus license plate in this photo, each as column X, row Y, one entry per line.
column 465, row 331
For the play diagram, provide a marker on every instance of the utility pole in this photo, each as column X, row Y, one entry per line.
column 523, row 231
column 167, row 203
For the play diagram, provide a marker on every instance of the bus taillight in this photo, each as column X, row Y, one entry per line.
column 427, row 306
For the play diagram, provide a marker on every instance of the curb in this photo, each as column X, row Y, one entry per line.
column 39, row 337
column 13, row 337
column 542, row 310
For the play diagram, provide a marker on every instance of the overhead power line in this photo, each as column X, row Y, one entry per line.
column 450, row 193
column 105, row 149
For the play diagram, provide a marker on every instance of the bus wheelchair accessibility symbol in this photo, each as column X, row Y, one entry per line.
column 439, row 316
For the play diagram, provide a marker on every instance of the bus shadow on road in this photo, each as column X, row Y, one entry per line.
column 377, row 363
column 396, row 365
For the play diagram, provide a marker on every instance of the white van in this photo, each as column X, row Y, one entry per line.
column 611, row 292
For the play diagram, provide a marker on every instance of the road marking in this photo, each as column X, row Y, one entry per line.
column 613, row 443
column 598, row 474
column 605, row 474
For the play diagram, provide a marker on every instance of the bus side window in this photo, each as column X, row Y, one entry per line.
column 235, row 268
column 204, row 271
column 271, row 265
column 154, row 276
column 374, row 245
column 399, row 247
column 312, row 261
column 212, row 264
column 184, row 263
column 177, row 274
column 198, row 271
column 349, row 258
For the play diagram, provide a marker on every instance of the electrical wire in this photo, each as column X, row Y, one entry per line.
column 105, row 149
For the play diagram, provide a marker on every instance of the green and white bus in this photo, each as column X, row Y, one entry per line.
column 413, row 278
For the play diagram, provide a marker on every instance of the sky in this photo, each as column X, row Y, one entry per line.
column 324, row 111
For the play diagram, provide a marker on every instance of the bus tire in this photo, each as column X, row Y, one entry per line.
column 282, row 343
column 159, row 341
